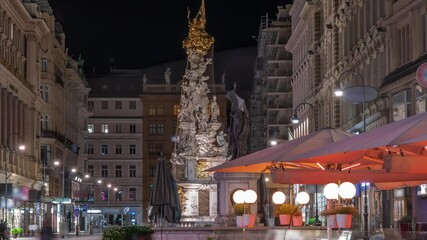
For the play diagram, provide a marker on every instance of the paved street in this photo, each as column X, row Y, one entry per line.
column 81, row 237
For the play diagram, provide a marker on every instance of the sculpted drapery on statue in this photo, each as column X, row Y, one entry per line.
column 239, row 127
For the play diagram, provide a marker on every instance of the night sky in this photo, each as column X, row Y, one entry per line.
column 141, row 33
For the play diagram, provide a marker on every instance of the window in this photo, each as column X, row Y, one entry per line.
column 118, row 104
column 91, row 170
column 90, row 148
column 156, row 129
column 401, row 105
column 44, row 122
column 119, row 194
column 152, row 110
column 104, row 128
column 132, row 149
column 132, row 194
column 118, row 149
column 44, row 64
column 155, row 110
column 91, row 128
column 118, row 128
column 152, row 170
column 132, row 128
column 159, row 110
column 176, row 109
column 132, row 104
column 155, row 149
column 104, row 105
column 118, row 171
column 44, row 92
column 132, row 171
column 104, row 171
column 404, row 36
column 420, row 99
column 104, row 149
column 90, row 105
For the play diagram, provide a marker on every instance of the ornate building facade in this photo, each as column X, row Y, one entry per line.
column 42, row 89
column 377, row 44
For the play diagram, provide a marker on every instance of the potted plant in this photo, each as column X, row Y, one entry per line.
column 405, row 223
column 239, row 209
column 344, row 214
column 16, row 231
column 297, row 216
column 330, row 216
column 127, row 232
column 286, row 211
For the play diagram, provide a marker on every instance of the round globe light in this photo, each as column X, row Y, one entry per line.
column 238, row 196
column 302, row 198
column 279, row 197
column 331, row 191
column 250, row 196
column 347, row 190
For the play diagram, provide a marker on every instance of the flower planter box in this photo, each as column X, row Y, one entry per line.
column 248, row 220
column 285, row 219
column 296, row 220
column 344, row 220
column 332, row 221
column 239, row 221
column 404, row 227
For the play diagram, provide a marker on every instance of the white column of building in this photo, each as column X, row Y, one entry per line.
column 1, row 117
column 14, row 137
column 213, row 201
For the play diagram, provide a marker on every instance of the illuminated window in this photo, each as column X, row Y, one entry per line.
column 104, row 128
column 152, row 110
column 156, row 129
column 176, row 109
column 401, row 105
column 91, row 128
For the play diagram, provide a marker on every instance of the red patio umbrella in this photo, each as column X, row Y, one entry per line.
column 262, row 160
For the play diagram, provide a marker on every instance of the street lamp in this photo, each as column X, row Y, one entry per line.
column 295, row 120
column 21, row 147
column 352, row 94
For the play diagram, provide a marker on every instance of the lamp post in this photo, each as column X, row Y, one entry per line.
column 352, row 94
column 11, row 147
column 295, row 120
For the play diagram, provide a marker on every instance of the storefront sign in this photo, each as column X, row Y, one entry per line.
column 76, row 211
column 84, row 209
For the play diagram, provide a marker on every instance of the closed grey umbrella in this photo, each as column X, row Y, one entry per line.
column 164, row 199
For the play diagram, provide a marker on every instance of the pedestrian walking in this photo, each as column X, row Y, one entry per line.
column 2, row 230
column 47, row 231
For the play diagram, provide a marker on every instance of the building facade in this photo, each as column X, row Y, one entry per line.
column 271, row 99
column 42, row 89
column 377, row 44
column 115, row 149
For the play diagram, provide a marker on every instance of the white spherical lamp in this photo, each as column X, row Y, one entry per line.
column 279, row 197
column 302, row 198
column 347, row 190
column 331, row 191
column 250, row 196
column 238, row 196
